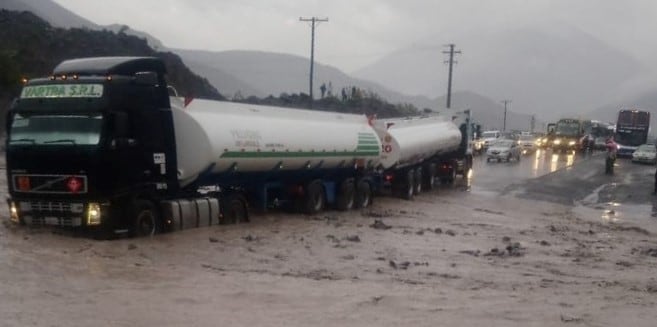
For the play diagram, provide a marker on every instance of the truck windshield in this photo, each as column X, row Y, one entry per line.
column 56, row 129
column 567, row 129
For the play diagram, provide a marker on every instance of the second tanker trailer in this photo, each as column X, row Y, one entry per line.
column 100, row 144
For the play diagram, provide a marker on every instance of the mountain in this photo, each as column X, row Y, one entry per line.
column 31, row 47
column 49, row 11
column 265, row 73
column 644, row 101
column 59, row 16
column 550, row 70
column 489, row 113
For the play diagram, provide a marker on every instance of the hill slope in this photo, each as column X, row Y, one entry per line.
column 32, row 48
column 551, row 70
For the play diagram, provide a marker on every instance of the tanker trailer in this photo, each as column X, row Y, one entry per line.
column 417, row 150
column 275, row 156
column 100, row 145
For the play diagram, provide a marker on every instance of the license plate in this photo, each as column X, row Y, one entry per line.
column 51, row 220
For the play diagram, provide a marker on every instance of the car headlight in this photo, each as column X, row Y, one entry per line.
column 571, row 143
column 93, row 214
column 13, row 210
column 557, row 142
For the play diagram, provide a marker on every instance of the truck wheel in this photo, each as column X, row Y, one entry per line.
column 408, row 185
column 314, row 198
column 417, row 179
column 363, row 197
column 429, row 177
column 346, row 194
column 234, row 210
column 146, row 219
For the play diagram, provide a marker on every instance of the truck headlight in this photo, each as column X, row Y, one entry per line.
column 557, row 142
column 571, row 143
column 13, row 210
column 93, row 214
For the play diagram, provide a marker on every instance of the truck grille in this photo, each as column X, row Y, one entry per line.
column 51, row 207
column 51, row 213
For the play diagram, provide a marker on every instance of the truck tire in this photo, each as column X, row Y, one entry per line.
column 314, row 199
column 408, row 185
column 417, row 181
column 234, row 210
column 363, row 197
column 146, row 220
column 346, row 195
column 429, row 177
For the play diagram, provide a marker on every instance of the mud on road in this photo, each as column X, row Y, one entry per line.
column 450, row 257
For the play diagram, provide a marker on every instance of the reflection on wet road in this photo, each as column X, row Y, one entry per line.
column 495, row 176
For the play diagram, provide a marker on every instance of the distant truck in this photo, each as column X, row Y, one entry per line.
column 571, row 134
column 101, row 144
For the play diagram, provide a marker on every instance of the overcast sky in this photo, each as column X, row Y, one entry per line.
column 360, row 31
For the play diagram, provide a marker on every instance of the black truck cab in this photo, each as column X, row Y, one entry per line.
column 92, row 145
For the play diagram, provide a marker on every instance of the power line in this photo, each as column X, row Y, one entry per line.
column 313, row 21
column 451, row 62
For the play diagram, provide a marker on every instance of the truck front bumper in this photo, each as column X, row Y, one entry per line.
column 56, row 213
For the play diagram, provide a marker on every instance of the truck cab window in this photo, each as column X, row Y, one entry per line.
column 56, row 129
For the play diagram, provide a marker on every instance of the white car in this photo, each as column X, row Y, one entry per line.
column 527, row 142
column 503, row 150
column 490, row 137
column 646, row 153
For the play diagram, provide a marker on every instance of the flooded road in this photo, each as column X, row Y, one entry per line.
column 546, row 242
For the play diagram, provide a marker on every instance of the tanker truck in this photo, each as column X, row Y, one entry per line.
column 102, row 144
column 416, row 151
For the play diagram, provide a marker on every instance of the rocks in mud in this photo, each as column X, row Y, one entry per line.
column 511, row 250
column 374, row 214
column 506, row 239
column 515, row 250
column 213, row 239
column 353, row 238
column 649, row 251
column 378, row 224
column 624, row 264
column 570, row 319
column 438, row 231
column 474, row 253
column 131, row 246
column 450, row 232
column 545, row 243
column 401, row 265
column 250, row 238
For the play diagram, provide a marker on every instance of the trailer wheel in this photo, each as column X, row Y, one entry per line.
column 314, row 199
column 429, row 177
column 417, row 181
column 408, row 185
column 346, row 195
column 146, row 219
column 234, row 210
column 363, row 198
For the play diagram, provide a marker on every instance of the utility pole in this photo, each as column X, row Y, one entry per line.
column 505, row 103
column 313, row 21
column 451, row 62
column 532, row 124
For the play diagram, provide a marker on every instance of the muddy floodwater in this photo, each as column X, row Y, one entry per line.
column 522, row 244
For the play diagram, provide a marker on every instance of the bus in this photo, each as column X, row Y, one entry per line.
column 571, row 134
column 632, row 129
